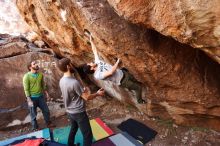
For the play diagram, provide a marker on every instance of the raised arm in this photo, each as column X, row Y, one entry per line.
column 112, row 71
column 94, row 49
column 86, row 95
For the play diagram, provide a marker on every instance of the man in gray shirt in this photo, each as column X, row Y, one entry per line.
column 74, row 96
column 105, row 71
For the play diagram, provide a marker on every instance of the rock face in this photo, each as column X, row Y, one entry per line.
column 180, row 82
column 196, row 23
column 14, row 56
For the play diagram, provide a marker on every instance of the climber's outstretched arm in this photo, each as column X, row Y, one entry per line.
column 94, row 49
column 112, row 71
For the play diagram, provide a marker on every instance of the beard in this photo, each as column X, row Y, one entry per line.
column 35, row 68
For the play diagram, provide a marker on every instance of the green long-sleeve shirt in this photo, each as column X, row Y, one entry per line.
column 33, row 84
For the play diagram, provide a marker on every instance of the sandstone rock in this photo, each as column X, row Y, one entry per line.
column 180, row 82
column 13, row 49
column 32, row 36
column 14, row 57
column 40, row 44
column 196, row 23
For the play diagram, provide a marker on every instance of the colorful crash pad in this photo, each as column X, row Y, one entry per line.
column 45, row 133
column 120, row 139
column 123, row 139
column 99, row 129
column 104, row 142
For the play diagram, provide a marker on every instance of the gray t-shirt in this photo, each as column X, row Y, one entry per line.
column 103, row 67
column 71, row 92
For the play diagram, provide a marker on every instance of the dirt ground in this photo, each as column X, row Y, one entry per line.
column 112, row 112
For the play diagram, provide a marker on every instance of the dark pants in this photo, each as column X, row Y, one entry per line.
column 41, row 103
column 80, row 120
column 131, row 83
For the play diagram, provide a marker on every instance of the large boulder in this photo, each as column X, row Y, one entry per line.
column 14, row 57
column 196, row 23
column 180, row 82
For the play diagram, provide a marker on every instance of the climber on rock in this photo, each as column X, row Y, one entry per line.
column 104, row 71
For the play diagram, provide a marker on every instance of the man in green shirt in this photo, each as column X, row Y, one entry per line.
column 33, row 83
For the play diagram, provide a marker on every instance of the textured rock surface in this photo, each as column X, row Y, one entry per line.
column 14, row 56
column 196, row 23
column 182, row 83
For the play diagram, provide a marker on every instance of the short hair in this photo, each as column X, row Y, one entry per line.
column 29, row 65
column 62, row 64
column 87, row 69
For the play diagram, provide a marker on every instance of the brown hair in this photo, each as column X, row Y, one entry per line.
column 62, row 64
column 87, row 69
column 29, row 65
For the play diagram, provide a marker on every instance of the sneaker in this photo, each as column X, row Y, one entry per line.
column 141, row 101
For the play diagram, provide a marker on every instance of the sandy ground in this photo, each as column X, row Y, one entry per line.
column 112, row 112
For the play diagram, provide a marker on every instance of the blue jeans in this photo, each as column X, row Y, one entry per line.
column 80, row 120
column 41, row 103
